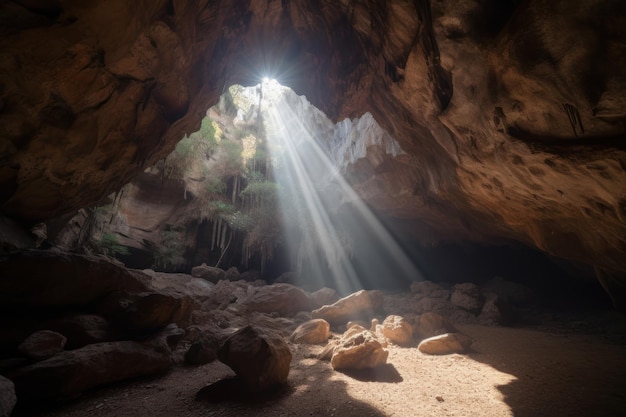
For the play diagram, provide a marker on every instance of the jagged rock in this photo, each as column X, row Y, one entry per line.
column 430, row 289
column 260, row 358
column 55, row 279
column 210, row 273
column 7, row 397
column 312, row 332
column 360, row 305
column 467, row 296
column 280, row 298
column 445, row 344
column 358, row 349
column 70, row 373
column 397, row 330
column 432, row 324
column 42, row 345
column 323, row 296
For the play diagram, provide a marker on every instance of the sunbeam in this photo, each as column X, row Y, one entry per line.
column 337, row 233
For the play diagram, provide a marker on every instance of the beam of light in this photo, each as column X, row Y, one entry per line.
column 337, row 229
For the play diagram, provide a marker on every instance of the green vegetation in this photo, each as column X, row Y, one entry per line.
column 108, row 245
column 169, row 253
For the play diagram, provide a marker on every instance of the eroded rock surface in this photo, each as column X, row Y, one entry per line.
column 509, row 115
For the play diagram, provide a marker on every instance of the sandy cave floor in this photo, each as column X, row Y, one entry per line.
column 510, row 372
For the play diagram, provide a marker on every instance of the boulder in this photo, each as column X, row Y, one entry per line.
column 232, row 274
column 497, row 311
column 467, row 296
column 70, row 373
column 430, row 289
column 205, row 346
column 149, row 310
column 227, row 292
column 41, row 279
column 260, row 358
column 432, row 324
column 358, row 349
column 445, row 344
column 82, row 329
column 7, row 397
column 210, row 273
column 397, row 330
column 42, row 345
column 313, row 332
column 197, row 288
column 363, row 304
column 280, row 298
column 323, row 296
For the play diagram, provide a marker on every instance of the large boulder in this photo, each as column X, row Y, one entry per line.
column 42, row 345
column 279, row 298
column 324, row 296
column 53, row 279
column 445, row 344
column 206, row 344
column 7, row 397
column 362, row 304
column 260, row 358
column 358, row 349
column 70, row 373
column 82, row 329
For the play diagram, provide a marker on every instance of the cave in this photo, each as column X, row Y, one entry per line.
column 181, row 181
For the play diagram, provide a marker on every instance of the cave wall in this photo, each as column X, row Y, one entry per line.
column 511, row 113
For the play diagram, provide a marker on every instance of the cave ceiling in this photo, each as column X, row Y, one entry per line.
column 511, row 113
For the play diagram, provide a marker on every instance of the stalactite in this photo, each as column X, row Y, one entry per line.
column 213, row 234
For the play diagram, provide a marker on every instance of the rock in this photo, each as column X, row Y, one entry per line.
column 313, row 332
column 82, row 329
column 288, row 277
column 232, row 274
column 508, row 291
column 250, row 275
column 70, row 373
column 43, row 279
column 432, row 324
column 197, row 288
column 497, row 311
column 260, row 358
column 206, row 345
column 209, row 273
column 323, row 296
column 429, row 289
column 467, row 296
column 445, row 344
column 360, row 305
column 7, row 397
column 397, row 330
column 227, row 292
column 280, row 298
column 149, row 310
column 358, row 349
column 42, row 345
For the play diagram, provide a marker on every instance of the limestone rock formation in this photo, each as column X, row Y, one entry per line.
column 397, row 330
column 509, row 115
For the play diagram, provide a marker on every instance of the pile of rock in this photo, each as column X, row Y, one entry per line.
column 72, row 322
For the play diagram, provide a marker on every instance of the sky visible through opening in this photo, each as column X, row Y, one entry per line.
column 339, row 234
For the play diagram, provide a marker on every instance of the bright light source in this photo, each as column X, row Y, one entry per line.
column 266, row 80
